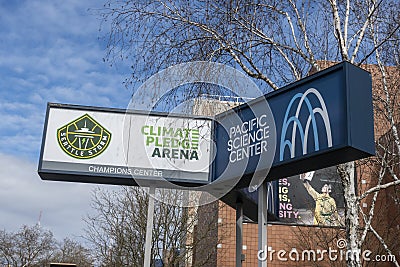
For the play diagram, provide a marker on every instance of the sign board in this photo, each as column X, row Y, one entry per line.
column 322, row 120
column 298, row 205
column 85, row 144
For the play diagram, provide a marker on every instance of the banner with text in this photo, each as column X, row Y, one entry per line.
column 112, row 146
column 315, row 198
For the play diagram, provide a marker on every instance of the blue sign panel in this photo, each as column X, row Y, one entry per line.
column 249, row 201
column 320, row 121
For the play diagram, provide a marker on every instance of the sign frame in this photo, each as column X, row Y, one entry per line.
column 117, row 179
column 357, row 132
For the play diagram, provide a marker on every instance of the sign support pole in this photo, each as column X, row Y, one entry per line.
column 262, row 222
column 149, row 227
column 239, row 232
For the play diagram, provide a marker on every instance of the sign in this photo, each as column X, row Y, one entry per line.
column 303, row 202
column 321, row 121
column 85, row 144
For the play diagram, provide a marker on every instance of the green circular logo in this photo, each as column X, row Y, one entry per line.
column 83, row 138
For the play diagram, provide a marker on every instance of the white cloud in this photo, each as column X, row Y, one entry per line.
column 50, row 53
column 52, row 44
column 38, row 17
column 23, row 195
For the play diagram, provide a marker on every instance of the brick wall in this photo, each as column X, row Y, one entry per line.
column 280, row 237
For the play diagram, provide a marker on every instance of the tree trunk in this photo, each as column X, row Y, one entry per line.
column 346, row 172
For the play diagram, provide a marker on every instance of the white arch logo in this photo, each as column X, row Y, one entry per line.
column 303, row 130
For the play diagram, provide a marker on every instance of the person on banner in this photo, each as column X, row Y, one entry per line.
column 325, row 206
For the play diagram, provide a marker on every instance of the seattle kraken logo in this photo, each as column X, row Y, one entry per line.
column 305, row 119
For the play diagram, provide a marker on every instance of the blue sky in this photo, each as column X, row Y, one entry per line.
column 50, row 51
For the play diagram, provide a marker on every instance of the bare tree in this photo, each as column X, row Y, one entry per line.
column 385, row 166
column 30, row 246
column 35, row 246
column 70, row 251
column 274, row 42
column 117, row 230
column 316, row 238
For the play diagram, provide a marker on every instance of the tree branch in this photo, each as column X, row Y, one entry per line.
column 338, row 31
column 377, row 188
column 382, row 241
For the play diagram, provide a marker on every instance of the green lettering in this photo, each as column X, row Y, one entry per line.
column 185, row 143
column 158, row 142
column 149, row 140
column 166, row 142
column 174, row 142
column 195, row 145
column 152, row 130
column 168, row 131
column 144, row 130
column 187, row 131
column 178, row 133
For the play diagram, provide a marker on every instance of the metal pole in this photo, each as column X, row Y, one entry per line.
column 149, row 227
column 262, row 222
column 239, row 233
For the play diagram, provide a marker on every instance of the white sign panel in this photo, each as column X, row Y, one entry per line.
column 83, row 144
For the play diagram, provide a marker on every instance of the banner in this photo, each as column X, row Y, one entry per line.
column 315, row 198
